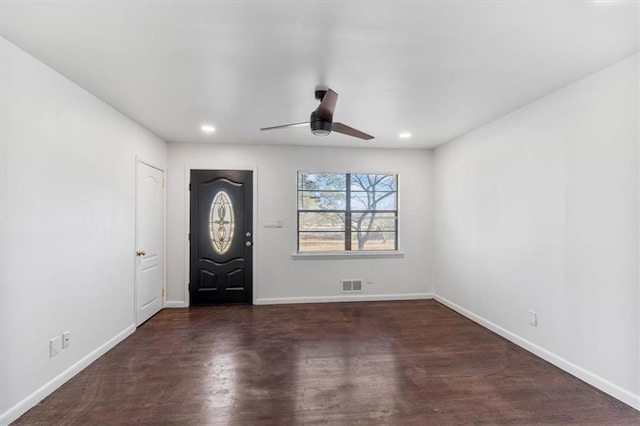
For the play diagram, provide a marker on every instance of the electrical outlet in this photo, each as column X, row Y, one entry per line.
column 54, row 346
column 533, row 318
column 66, row 339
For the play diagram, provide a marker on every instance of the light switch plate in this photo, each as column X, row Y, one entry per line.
column 273, row 223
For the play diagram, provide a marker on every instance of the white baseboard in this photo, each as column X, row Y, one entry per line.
column 345, row 298
column 594, row 380
column 175, row 304
column 23, row 406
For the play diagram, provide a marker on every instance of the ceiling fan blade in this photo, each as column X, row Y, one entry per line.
column 327, row 105
column 350, row 131
column 284, row 126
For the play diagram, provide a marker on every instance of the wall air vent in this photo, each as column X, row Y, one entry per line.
column 352, row 286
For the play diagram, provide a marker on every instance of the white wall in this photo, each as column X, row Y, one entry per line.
column 539, row 211
column 67, row 226
column 278, row 278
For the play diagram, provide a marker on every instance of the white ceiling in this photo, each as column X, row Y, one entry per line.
column 435, row 68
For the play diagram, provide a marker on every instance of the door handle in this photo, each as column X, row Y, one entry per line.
column 248, row 244
column 140, row 253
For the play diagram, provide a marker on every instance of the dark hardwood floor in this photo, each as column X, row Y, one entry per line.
column 376, row 363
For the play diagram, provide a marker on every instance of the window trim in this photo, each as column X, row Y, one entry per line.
column 347, row 252
column 357, row 254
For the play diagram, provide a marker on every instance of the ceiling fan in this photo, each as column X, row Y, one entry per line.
column 321, row 121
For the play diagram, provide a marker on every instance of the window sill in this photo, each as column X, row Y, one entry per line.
column 309, row 255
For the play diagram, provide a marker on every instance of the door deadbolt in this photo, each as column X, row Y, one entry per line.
column 140, row 253
column 248, row 234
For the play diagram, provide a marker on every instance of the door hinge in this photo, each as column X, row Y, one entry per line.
column 189, row 236
column 163, row 182
column 163, row 293
column 189, row 187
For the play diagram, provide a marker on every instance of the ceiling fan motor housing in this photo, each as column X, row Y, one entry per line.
column 319, row 126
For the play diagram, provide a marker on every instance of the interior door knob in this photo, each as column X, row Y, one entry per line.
column 140, row 253
column 248, row 244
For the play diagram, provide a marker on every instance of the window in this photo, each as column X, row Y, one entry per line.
column 347, row 212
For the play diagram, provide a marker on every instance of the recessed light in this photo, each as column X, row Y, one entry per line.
column 404, row 135
column 207, row 128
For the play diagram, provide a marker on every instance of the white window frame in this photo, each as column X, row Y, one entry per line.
column 347, row 253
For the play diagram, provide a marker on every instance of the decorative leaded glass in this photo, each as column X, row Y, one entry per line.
column 221, row 222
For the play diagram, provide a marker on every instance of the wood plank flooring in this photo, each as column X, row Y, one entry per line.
column 370, row 363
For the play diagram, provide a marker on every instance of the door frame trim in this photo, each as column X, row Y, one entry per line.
column 185, row 232
column 163, row 238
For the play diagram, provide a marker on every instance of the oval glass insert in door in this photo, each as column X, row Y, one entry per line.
column 221, row 222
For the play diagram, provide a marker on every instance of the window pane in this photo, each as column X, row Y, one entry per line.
column 322, row 181
column 324, row 221
column 321, row 241
column 374, row 241
column 322, row 200
column 371, row 182
column 373, row 200
column 373, row 222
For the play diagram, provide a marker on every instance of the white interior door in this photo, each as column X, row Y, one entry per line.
column 149, row 241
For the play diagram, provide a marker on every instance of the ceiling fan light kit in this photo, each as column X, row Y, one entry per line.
column 319, row 127
column 321, row 120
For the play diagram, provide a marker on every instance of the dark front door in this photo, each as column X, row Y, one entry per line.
column 221, row 236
